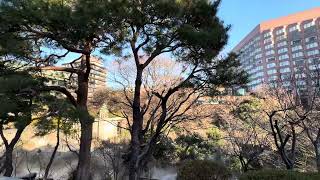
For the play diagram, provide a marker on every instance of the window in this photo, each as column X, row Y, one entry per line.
column 280, row 31
column 257, row 38
column 283, row 43
column 271, row 65
column 258, row 81
column 285, row 77
column 312, row 53
column 267, row 40
column 285, row 56
column 257, row 50
column 269, row 52
column 251, row 53
column 267, row 34
column 293, row 28
column 259, row 74
column 271, row 71
column 268, row 46
column 254, row 70
column 283, row 50
column 300, row 75
column 296, row 48
column 273, row 78
column 314, row 67
column 284, row 63
column 311, row 39
column 286, row 83
column 258, row 62
column 301, row 83
column 310, row 24
column 296, row 55
column 312, row 45
column 299, row 62
column 296, row 42
column 258, row 56
column 271, row 59
column 279, row 38
column 284, row 70
column 299, row 69
column 313, row 60
column 258, row 68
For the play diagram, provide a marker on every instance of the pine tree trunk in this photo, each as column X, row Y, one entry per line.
column 83, row 171
column 317, row 152
column 8, row 162
column 135, row 149
column 289, row 166
column 86, row 121
column 53, row 153
column 136, row 129
column 7, row 166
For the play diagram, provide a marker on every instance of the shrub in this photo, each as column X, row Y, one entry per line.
column 279, row 175
column 203, row 170
column 165, row 151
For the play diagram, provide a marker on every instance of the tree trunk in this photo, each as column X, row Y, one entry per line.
column 286, row 160
column 135, row 146
column 134, row 155
column 86, row 121
column 8, row 168
column 83, row 171
column 53, row 153
column 244, row 165
column 289, row 166
column 317, row 152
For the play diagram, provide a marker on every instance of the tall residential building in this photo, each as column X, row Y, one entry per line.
column 97, row 78
column 98, row 75
column 285, row 49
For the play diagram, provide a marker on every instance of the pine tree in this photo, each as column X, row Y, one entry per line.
column 16, row 107
column 42, row 33
column 189, row 32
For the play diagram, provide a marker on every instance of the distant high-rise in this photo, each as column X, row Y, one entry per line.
column 98, row 75
column 284, row 49
column 97, row 78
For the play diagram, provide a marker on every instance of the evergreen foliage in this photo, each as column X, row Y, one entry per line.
column 203, row 170
column 279, row 175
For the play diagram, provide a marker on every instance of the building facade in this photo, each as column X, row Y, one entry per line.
column 283, row 50
column 97, row 78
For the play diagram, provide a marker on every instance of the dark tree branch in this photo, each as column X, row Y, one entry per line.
column 63, row 90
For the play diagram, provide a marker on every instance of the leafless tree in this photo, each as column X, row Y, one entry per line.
column 310, row 98
column 245, row 131
column 161, row 106
column 111, row 154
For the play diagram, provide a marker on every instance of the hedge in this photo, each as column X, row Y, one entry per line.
column 203, row 170
column 279, row 175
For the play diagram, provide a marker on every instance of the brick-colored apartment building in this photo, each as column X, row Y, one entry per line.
column 285, row 49
column 97, row 78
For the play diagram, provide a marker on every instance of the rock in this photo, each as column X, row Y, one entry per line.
column 30, row 176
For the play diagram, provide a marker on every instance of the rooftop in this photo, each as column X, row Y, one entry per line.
column 290, row 19
column 281, row 21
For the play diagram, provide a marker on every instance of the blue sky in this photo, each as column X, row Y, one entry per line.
column 244, row 15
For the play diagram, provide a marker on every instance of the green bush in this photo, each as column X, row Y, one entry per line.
column 279, row 175
column 203, row 170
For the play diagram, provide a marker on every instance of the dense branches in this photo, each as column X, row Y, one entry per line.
column 191, row 33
